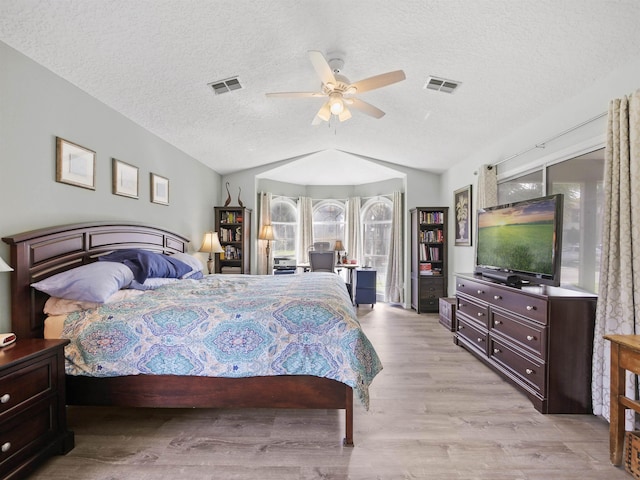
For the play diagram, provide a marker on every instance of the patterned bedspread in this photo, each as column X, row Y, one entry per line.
column 228, row 326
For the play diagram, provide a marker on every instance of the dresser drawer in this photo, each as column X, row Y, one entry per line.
column 473, row 336
column 474, row 289
column 528, row 335
column 21, row 385
column 527, row 370
column 473, row 309
column 530, row 307
column 23, row 435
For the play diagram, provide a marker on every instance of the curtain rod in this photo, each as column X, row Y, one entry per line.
column 543, row 143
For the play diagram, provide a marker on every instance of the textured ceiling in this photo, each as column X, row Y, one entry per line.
column 152, row 61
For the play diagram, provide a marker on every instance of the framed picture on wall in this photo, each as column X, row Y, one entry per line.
column 464, row 214
column 75, row 165
column 125, row 179
column 159, row 189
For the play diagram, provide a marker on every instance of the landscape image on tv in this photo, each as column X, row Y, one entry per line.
column 518, row 238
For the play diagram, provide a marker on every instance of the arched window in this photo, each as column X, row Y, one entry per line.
column 284, row 219
column 376, row 237
column 328, row 221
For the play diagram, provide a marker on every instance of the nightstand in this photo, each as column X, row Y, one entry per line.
column 33, row 417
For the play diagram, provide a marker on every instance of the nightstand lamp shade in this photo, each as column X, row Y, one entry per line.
column 4, row 267
column 211, row 245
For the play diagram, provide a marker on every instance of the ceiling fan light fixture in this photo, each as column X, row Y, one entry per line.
column 351, row 90
column 335, row 104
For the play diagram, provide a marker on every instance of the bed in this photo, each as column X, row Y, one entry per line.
column 40, row 254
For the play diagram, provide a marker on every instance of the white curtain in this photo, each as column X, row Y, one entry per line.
column 305, row 228
column 394, row 288
column 264, row 219
column 487, row 187
column 354, row 230
column 618, row 309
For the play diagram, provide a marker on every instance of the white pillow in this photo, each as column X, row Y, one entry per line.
column 193, row 262
column 63, row 306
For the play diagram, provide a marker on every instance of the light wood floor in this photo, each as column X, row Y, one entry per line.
column 436, row 413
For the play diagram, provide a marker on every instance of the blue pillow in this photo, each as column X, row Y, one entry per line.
column 145, row 264
column 94, row 282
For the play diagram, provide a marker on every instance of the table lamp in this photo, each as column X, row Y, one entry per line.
column 266, row 233
column 338, row 247
column 211, row 245
column 4, row 267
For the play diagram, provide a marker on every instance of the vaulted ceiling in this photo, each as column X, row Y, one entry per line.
column 153, row 61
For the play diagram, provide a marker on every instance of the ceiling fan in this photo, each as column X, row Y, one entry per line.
column 340, row 92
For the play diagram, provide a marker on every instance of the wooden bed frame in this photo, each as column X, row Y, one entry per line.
column 38, row 254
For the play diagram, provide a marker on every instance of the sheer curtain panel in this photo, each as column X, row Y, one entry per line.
column 265, row 219
column 487, row 186
column 305, row 228
column 354, row 229
column 394, row 288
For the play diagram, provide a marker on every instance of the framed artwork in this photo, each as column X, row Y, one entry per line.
column 125, row 179
column 75, row 165
column 464, row 213
column 159, row 189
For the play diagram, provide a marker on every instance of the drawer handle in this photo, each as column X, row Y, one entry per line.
column 530, row 337
column 497, row 322
column 480, row 292
column 496, row 350
column 529, row 371
column 460, row 327
column 5, row 398
column 530, row 307
column 497, row 297
column 480, row 314
column 460, row 285
column 479, row 340
column 5, row 447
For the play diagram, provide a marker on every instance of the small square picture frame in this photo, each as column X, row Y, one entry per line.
column 125, row 179
column 159, row 189
column 75, row 164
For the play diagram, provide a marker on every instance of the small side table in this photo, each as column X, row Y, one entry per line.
column 625, row 355
column 365, row 287
column 33, row 416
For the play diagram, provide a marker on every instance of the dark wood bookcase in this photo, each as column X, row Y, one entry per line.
column 428, row 257
column 233, row 225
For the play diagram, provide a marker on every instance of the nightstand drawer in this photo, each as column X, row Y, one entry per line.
column 26, row 433
column 25, row 383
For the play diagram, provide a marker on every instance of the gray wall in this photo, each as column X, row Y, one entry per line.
column 35, row 107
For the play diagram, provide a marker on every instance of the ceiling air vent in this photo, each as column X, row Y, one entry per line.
column 227, row 85
column 442, row 85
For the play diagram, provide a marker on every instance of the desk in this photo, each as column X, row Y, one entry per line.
column 625, row 355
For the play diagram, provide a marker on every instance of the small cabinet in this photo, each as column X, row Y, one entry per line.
column 33, row 421
column 365, row 287
column 233, row 225
column 428, row 257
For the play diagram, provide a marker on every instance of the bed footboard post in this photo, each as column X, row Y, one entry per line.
column 348, row 418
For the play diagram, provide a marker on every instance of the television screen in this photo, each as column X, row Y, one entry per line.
column 522, row 239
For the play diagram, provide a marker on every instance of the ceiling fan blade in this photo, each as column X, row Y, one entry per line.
column 344, row 115
column 324, row 114
column 367, row 108
column 322, row 67
column 378, row 81
column 296, row 94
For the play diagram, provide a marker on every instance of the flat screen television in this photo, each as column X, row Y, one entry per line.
column 520, row 243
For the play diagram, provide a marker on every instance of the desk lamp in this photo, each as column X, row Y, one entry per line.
column 338, row 247
column 266, row 233
column 211, row 245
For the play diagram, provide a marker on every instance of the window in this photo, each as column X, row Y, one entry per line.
column 580, row 179
column 328, row 221
column 284, row 218
column 376, row 237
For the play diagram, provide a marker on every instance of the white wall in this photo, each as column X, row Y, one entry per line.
column 35, row 107
column 563, row 117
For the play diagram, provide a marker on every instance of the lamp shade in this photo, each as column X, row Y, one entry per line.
column 338, row 246
column 266, row 233
column 4, row 267
column 211, row 243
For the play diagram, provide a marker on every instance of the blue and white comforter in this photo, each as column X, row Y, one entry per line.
column 228, row 326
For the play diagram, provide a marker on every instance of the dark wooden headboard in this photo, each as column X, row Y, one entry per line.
column 38, row 254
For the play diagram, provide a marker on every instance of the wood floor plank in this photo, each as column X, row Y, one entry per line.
column 436, row 413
